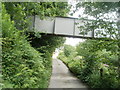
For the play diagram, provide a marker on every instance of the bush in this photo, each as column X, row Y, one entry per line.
column 22, row 65
column 76, row 66
column 96, row 67
column 69, row 50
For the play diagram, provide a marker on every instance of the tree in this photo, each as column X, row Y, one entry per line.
column 104, row 21
column 19, row 11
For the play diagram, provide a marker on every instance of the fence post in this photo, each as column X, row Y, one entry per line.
column 101, row 73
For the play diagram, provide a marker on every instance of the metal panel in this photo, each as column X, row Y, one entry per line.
column 44, row 26
column 64, row 26
column 79, row 23
column 31, row 23
column 89, row 34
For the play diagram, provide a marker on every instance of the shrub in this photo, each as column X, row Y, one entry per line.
column 94, row 64
column 22, row 65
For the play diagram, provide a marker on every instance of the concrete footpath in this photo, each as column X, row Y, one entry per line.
column 63, row 78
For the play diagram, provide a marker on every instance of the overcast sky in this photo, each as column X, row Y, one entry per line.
column 73, row 41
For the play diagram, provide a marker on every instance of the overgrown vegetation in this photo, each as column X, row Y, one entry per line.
column 22, row 65
column 94, row 62
column 26, row 57
column 97, row 62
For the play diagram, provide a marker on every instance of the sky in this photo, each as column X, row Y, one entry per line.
column 73, row 41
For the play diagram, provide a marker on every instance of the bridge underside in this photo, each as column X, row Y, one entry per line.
column 63, row 26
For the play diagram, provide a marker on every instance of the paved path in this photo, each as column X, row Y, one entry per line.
column 62, row 77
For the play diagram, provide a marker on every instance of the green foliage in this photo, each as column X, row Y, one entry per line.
column 22, row 65
column 19, row 11
column 103, row 21
column 27, row 56
column 91, row 57
column 101, row 7
column 62, row 57
column 68, row 50
column 46, row 45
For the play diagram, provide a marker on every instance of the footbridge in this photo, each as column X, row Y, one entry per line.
column 63, row 26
